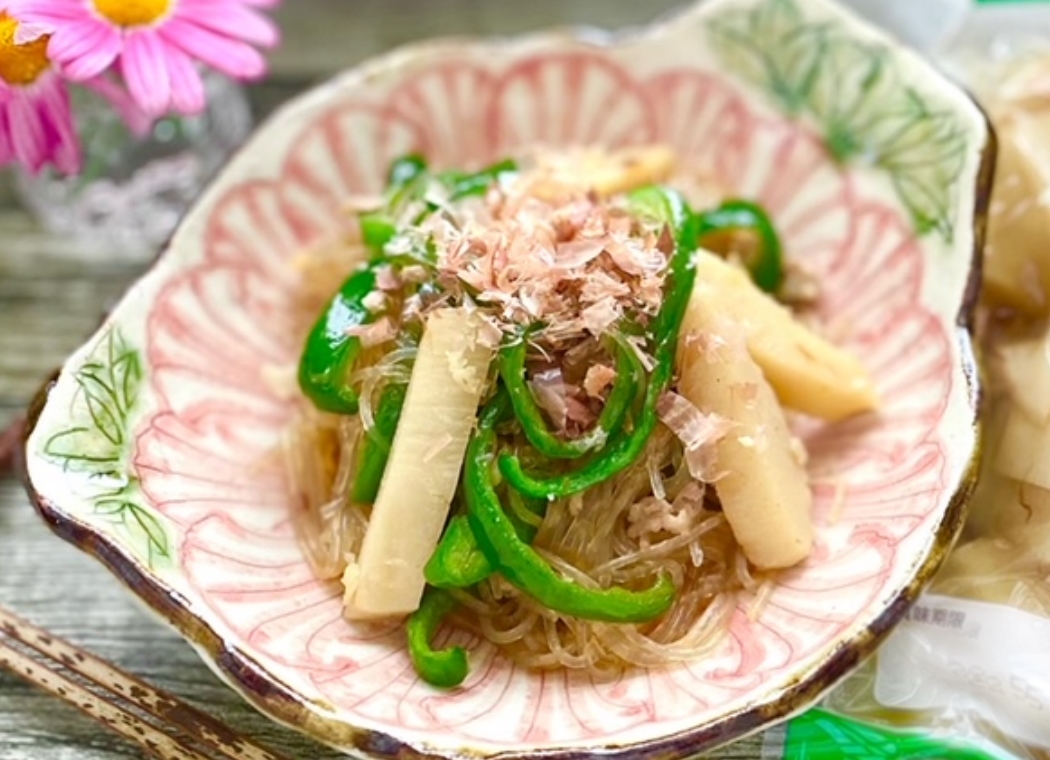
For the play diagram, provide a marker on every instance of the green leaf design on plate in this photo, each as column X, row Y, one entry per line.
column 772, row 45
column 853, row 106
column 138, row 524
column 859, row 98
column 925, row 157
column 98, row 442
column 107, row 388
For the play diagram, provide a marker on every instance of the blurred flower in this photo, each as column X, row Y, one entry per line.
column 36, row 121
column 156, row 45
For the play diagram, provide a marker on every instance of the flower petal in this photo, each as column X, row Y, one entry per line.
column 187, row 88
column 231, row 20
column 236, row 59
column 30, row 32
column 28, row 139
column 84, row 49
column 48, row 12
column 64, row 145
column 145, row 67
column 7, row 154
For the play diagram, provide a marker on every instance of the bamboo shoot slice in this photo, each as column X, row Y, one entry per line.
column 631, row 168
column 808, row 374
column 764, row 489
column 606, row 173
column 426, row 457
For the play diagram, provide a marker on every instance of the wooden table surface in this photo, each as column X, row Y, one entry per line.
column 50, row 301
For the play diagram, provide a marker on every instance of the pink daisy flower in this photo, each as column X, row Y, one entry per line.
column 156, row 44
column 36, row 120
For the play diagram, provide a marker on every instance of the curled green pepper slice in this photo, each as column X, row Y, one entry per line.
column 330, row 352
column 766, row 261
column 629, row 375
column 461, row 185
column 458, row 561
column 628, row 445
column 406, row 179
column 444, row 668
column 521, row 565
column 374, row 451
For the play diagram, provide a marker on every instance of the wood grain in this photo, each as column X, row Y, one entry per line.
column 51, row 299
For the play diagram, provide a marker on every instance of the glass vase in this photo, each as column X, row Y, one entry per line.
column 133, row 190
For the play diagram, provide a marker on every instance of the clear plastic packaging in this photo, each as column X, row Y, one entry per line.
column 967, row 673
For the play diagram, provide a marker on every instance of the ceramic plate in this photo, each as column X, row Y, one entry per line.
column 154, row 448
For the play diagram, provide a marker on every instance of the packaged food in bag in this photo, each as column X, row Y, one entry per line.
column 966, row 674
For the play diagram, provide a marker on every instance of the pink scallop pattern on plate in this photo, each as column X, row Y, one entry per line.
column 709, row 125
column 575, row 98
column 239, row 552
column 345, row 152
column 448, row 103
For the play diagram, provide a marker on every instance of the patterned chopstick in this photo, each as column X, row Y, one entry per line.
column 162, row 725
column 153, row 741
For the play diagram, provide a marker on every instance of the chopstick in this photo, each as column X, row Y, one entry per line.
column 162, row 725
column 9, row 439
column 155, row 742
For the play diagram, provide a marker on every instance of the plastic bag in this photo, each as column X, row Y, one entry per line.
column 967, row 673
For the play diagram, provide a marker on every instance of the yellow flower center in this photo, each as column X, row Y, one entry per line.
column 21, row 64
column 132, row 13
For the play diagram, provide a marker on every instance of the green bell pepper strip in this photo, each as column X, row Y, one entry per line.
column 462, row 185
column 444, row 668
column 629, row 375
column 458, row 561
column 735, row 215
column 521, row 565
column 377, row 229
column 405, row 170
column 404, row 178
column 407, row 180
column 654, row 203
column 767, row 265
column 374, row 450
column 330, row 353
column 628, row 445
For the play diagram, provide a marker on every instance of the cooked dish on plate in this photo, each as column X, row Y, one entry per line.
column 550, row 403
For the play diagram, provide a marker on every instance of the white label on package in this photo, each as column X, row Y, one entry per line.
column 984, row 659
